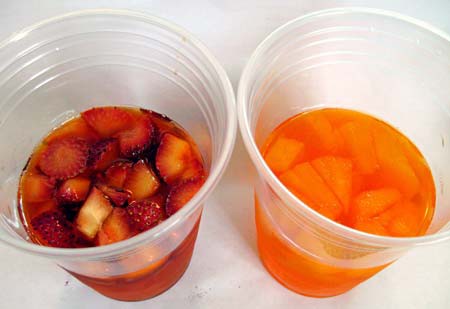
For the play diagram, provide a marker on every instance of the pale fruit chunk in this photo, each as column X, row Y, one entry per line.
column 93, row 213
column 284, row 153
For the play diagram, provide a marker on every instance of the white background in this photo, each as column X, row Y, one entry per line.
column 225, row 271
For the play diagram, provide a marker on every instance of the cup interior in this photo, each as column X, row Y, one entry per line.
column 52, row 71
column 381, row 63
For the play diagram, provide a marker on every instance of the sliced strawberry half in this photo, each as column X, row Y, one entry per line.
column 37, row 188
column 53, row 229
column 107, row 121
column 103, row 153
column 135, row 141
column 117, row 173
column 73, row 190
column 145, row 214
column 94, row 211
column 182, row 193
column 172, row 157
column 64, row 158
column 117, row 196
column 141, row 181
column 193, row 170
column 74, row 128
column 115, row 228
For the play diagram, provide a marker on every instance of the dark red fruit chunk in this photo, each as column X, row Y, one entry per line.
column 54, row 230
column 103, row 153
column 135, row 141
column 117, row 196
column 64, row 158
column 107, row 121
column 117, row 173
column 145, row 214
column 73, row 190
column 180, row 194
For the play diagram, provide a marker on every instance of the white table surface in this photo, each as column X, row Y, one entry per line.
column 225, row 271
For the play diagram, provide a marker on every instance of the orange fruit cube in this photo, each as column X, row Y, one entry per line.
column 284, row 153
column 308, row 186
column 403, row 219
column 395, row 169
column 371, row 203
column 359, row 143
column 337, row 174
column 370, row 226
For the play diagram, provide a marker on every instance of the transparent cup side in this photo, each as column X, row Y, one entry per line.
column 52, row 71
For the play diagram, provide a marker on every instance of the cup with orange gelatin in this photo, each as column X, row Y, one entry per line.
column 95, row 176
column 344, row 113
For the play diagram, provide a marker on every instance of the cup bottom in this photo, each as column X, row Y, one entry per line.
column 150, row 281
column 299, row 272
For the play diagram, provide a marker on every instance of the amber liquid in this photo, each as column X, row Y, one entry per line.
column 153, row 278
column 150, row 281
column 353, row 169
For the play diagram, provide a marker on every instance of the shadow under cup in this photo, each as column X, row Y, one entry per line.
column 377, row 62
column 52, row 71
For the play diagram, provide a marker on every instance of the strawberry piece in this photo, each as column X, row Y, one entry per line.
column 32, row 210
column 115, row 228
column 94, row 211
column 371, row 203
column 64, row 158
column 74, row 128
column 135, row 141
column 145, row 214
column 117, row 173
column 182, row 193
column 172, row 157
column 107, row 121
column 284, row 153
column 103, row 153
column 359, row 142
column 337, row 174
column 161, row 124
column 307, row 185
column 193, row 170
column 73, row 190
column 37, row 188
column 117, row 196
column 141, row 181
column 53, row 229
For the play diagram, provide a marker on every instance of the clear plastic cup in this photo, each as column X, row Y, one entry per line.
column 55, row 69
column 381, row 63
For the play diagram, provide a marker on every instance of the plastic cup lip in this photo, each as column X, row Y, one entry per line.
column 97, row 253
column 263, row 169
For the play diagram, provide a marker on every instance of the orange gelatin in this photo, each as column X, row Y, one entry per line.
column 353, row 169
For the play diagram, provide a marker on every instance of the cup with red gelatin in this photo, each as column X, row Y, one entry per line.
column 350, row 145
column 99, row 194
